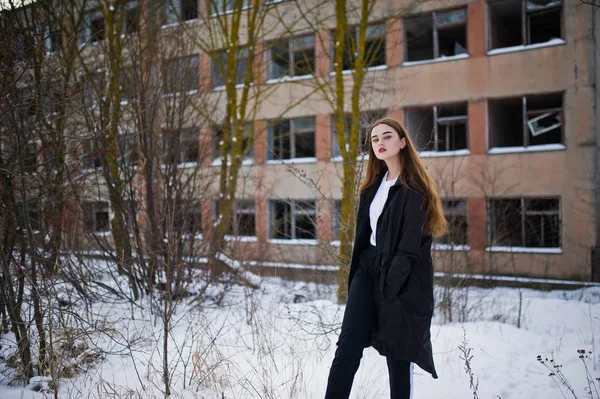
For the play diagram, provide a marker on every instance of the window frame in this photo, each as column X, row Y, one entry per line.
column 435, row 109
column 185, row 138
column 183, row 68
column 335, row 152
column 96, row 207
column 292, row 140
column 354, row 31
column 291, row 52
column 242, row 58
column 212, row 4
column 523, row 214
column 91, row 159
column 87, row 35
column 216, row 145
column 525, row 127
column 525, row 33
column 33, row 216
column 450, row 213
column 292, row 211
column 174, row 12
column 435, row 34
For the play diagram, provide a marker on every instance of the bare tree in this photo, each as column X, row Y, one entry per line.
column 354, row 45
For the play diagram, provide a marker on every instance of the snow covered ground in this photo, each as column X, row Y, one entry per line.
column 262, row 344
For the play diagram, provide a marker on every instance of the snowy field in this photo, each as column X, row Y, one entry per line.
column 278, row 342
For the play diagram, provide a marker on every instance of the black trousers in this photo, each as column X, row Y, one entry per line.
column 359, row 318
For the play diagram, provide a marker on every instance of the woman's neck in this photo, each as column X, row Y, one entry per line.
column 394, row 170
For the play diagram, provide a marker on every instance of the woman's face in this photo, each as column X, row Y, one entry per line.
column 386, row 142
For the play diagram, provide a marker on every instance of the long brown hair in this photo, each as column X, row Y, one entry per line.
column 412, row 174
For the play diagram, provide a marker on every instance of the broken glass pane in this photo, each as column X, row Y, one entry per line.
column 535, row 5
column 280, row 60
column 544, row 123
column 451, row 17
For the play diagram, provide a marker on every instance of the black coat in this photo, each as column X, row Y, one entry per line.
column 404, row 290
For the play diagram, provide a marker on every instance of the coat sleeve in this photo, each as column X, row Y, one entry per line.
column 409, row 247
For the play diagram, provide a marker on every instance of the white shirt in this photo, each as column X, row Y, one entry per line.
column 377, row 205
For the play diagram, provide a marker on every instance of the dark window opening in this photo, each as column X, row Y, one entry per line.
column 292, row 138
column 96, row 216
column 456, row 215
column 526, row 121
column 440, row 128
column 293, row 220
column 187, row 218
column 128, row 149
column 132, row 18
column 219, row 66
column 295, row 57
column 181, row 75
column 28, row 216
column 30, row 158
column 221, row 143
column 365, row 121
column 91, row 155
column 97, row 33
column 420, row 125
column 53, row 38
column 180, row 10
column 525, row 222
column 441, row 34
column 524, row 22
column 181, row 146
column 221, row 7
column 374, row 47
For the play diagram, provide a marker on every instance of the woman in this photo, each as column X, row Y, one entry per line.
column 390, row 298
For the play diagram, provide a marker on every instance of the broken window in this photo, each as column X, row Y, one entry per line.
column 374, row 47
column 525, row 222
column 93, row 89
column 180, row 10
column 28, row 216
column 524, row 22
column 336, row 219
column 181, row 146
column 30, row 157
column 243, row 221
column 292, row 138
column 293, row 219
column 440, row 34
column 222, row 7
column 366, row 118
column 219, row 66
column 293, row 57
column 92, row 29
column 219, row 142
column 132, row 18
column 181, row 75
column 91, row 154
column 187, row 217
column 52, row 37
column 456, row 215
column 128, row 149
column 440, row 128
column 245, row 218
column 526, row 121
column 96, row 216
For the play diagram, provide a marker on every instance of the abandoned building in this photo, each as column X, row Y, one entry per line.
column 500, row 98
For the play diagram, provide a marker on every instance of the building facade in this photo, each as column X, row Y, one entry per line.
column 500, row 98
